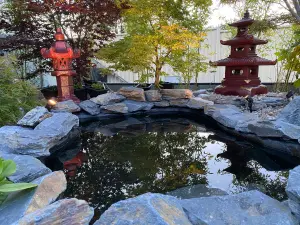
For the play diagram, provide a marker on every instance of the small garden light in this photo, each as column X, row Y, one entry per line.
column 51, row 103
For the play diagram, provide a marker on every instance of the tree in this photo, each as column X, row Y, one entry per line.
column 87, row 25
column 156, row 31
column 292, row 7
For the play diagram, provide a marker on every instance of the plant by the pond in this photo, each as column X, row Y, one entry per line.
column 97, row 86
column 7, row 168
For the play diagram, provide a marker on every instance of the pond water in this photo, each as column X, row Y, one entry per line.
column 123, row 159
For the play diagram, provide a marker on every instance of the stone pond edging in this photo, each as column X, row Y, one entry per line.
column 40, row 132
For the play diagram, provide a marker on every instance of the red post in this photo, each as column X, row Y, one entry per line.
column 62, row 55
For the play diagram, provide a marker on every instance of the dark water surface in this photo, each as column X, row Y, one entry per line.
column 123, row 159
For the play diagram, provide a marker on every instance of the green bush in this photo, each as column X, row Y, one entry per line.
column 97, row 86
column 16, row 96
column 7, row 168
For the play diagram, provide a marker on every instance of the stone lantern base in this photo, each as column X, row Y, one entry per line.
column 241, row 91
column 66, row 89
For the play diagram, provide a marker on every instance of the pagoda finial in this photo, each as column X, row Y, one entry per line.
column 247, row 14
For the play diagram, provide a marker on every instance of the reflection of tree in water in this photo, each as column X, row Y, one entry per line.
column 249, row 174
column 124, row 166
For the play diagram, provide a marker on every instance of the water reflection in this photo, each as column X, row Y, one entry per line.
column 135, row 156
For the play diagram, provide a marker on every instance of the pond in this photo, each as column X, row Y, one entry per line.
column 124, row 158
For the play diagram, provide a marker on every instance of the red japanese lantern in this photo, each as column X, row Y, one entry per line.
column 62, row 55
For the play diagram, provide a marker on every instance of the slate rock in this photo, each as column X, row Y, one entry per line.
column 289, row 130
column 134, row 106
column 257, row 105
column 196, row 191
column 22, row 203
column 232, row 117
column 293, row 185
column 66, row 106
column 28, row 168
column 115, row 108
column 274, row 101
column 108, row 98
column 66, row 212
column 38, row 141
column 153, row 96
column 247, row 208
column 133, row 93
column 169, row 94
column 148, row 208
column 200, row 92
column 162, row 104
column 179, row 102
column 34, row 117
column 198, row 103
column 90, row 107
column 265, row 128
column 294, row 207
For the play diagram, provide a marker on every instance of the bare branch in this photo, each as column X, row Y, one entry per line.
column 292, row 10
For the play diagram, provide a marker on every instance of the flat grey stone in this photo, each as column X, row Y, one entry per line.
column 66, row 106
column 28, row 201
column 198, row 103
column 34, row 117
column 293, row 185
column 28, row 168
column 200, row 92
column 116, row 108
column 179, row 102
column 66, row 212
column 274, row 101
column 248, row 208
column 38, row 141
column 148, row 208
column 90, row 107
column 133, row 93
column 153, row 96
column 196, row 191
column 290, row 130
column 171, row 94
column 265, row 129
column 162, row 104
column 294, row 207
column 134, row 106
column 108, row 98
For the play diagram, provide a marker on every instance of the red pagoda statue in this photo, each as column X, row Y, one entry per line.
column 62, row 55
column 241, row 73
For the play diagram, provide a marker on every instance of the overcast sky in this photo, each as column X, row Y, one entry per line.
column 218, row 12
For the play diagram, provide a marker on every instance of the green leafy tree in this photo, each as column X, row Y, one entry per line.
column 155, row 30
column 16, row 95
column 7, row 168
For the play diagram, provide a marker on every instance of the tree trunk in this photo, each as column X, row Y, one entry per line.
column 157, row 76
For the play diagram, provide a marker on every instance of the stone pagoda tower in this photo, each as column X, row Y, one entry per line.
column 241, row 73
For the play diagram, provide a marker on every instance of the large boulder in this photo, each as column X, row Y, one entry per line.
column 198, row 103
column 108, row 98
column 34, row 117
column 22, row 203
column 28, row 167
column 232, row 117
column 153, row 96
column 66, row 212
column 248, row 208
column 115, row 108
column 66, row 106
column 179, row 102
column 290, row 130
column 38, row 141
column 90, row 107
column 293, row 185
column 265, row 128
column 134, row 106
column 291, row 113
column 169, row 94
column 145, row 209
column 133, row 93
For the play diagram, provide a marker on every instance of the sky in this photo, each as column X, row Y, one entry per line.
column 219, row 12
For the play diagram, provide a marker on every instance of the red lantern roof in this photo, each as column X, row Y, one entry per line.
column 249, row 61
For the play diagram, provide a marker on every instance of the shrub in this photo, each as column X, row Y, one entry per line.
column 16, row 96
column 7, row 168
column 97, row 86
